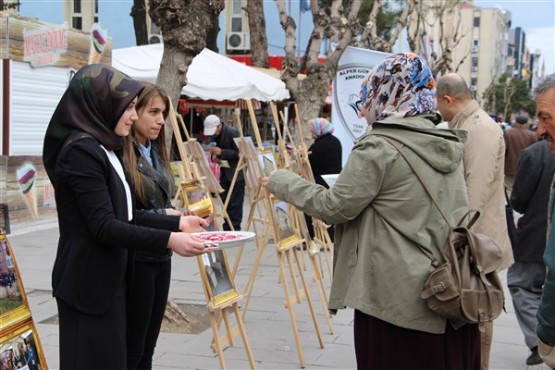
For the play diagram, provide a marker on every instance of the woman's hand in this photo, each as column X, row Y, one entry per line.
column 172, row 212
column 266, row 179
column 192, row 224
column 186, row 245
column 188, row 212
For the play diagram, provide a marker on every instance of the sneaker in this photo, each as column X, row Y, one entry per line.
column 534, row 358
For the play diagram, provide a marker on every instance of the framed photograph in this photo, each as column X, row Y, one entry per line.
column 268, row 161
column 197, row 198
column 254, row 167
column 20, row 348
column 283, row 225
column 13, row 302
column 198, row 155
column 215, row 270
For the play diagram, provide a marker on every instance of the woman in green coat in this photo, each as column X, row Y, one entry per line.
column 382, row 213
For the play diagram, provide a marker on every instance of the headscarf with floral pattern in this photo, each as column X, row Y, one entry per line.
column 400, row 86
column 320, row 127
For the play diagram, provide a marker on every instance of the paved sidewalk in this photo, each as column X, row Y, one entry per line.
column 267, row 321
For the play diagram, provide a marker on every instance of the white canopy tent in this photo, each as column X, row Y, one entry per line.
column 210, row 76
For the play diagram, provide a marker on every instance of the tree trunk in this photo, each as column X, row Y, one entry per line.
column 212, row 37
column 138, row 13
column 310, row 93
column 257, row 29
column 185, row 25
column 313, row 92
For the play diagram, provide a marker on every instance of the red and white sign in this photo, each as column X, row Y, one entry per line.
column 43, row 46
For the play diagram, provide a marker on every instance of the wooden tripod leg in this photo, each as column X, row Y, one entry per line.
column 321, row 290
column 250, row 284
column 243, row 332
column 283, row 277
column 327, row 245
column 293, row 277
column 309, row 300
column 228, row 328
column 216, row 340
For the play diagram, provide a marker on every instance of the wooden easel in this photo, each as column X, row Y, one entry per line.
column 291, row 272
column 193, row 166
column 321, row 235
column 218, row 304
column 292, row 279
column 304, row 170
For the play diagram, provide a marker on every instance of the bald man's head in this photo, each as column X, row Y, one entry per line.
column 453, row 85
column 453, row 95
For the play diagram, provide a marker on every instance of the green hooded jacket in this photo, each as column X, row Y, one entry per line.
column 382, row 213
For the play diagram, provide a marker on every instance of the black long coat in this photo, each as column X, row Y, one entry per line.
column 325, row 157
column 530, row 197
column 230, row 152
column 95, row 234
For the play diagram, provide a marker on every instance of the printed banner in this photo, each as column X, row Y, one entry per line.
column 354, row 65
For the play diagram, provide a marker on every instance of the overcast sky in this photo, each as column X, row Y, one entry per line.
column 537, row 19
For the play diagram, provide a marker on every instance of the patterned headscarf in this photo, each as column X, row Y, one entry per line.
column 400, row 86
column 96, row 98
column 320, row 127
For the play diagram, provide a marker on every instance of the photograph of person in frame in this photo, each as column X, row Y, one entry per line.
column 217, row 272
column 283, row 222
column 10, row 294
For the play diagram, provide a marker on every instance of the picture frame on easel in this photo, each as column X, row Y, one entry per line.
column 17, row 330
column 12, row 301
column 284, row 226
column 197, row 198
column 268, row 161
column 214, row 269
column 22, row 348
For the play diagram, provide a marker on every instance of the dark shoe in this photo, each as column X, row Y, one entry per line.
column 534, row 358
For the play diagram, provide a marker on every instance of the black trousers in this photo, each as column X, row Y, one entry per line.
column 146, row 305
column 235, row 206
column 93, row 341
column 380, row 345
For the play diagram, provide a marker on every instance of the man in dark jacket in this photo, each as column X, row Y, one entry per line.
column 518, row 138
column 226, row 150
column 525, row 277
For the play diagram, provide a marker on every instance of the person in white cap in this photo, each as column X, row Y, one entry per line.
column 226, row 150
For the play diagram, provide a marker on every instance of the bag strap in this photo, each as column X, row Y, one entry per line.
column 423, row 249
column 395, row 143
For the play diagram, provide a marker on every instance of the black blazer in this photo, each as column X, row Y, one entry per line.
column 230, row 152
column 530, row 197
column 91, row 260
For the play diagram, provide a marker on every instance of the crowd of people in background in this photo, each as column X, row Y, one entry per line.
column 106, row 157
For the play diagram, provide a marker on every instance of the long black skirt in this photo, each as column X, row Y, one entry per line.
column 93, row 342
column 382, row 346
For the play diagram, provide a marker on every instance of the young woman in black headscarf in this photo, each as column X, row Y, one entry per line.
column 98, row 226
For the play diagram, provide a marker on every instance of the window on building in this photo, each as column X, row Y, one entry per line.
column 76, row 22
column 237, row 16
column 236, row 10
column 476, row 21
column 95, row 19
column 473, row 81
column 236, row 24
column 77, row 6
column 474, row 62
column 475, row 42
column 95, row 6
